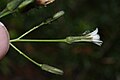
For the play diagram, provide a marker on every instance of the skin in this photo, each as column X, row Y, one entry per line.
column 45, row 2
column 4, row 40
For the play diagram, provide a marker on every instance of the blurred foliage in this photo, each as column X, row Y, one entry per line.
column 79, row 61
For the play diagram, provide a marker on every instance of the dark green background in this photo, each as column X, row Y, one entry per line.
column 79, row 61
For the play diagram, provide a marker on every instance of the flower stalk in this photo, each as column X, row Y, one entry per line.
column 90, row 37
column 37, row 40
column 45, row 67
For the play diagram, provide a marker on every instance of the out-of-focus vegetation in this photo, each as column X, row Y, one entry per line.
column 79, row 61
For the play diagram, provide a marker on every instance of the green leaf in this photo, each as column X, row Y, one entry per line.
column 14, row 4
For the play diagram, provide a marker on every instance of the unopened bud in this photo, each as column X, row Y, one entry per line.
column 58, row 14
column 51, row 69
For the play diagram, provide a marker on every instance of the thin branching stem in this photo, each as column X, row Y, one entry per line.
column 37, row 40
column 25, row 55
column 43, row 23
column 43, row 66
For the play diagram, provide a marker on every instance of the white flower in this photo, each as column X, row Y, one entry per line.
column 94, row 37
column 90, row 37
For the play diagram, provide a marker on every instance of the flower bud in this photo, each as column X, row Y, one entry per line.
column 58, row 14
column 51, row 69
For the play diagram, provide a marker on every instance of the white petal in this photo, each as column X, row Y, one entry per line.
column 96, row 37
column 94, row 32
column 98, row 42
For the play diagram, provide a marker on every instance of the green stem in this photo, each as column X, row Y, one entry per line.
column 56, row 16
column 43, row 66
column 43, row 23
column 25, row 55
column 30, row 30
column 36, row 40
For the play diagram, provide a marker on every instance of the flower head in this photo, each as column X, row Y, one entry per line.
column 90, row 37
column 94, row 37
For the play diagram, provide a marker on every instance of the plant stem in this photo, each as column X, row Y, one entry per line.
column 36, row 40
column 25, row 55
column 43, row 23
column 56, row 16
column 14, row 6
column 43, row 66
column 30, row 30
column 4, row 13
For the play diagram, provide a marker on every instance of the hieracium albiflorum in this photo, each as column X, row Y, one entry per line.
column 5, row 41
